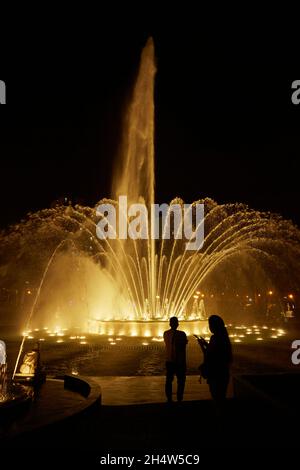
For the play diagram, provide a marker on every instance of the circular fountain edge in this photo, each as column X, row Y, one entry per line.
column 58, row 400
column 145, row 328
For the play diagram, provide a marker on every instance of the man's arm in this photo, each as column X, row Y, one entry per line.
column 165, row 337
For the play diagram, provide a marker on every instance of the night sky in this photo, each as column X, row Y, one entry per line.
column 225, row 124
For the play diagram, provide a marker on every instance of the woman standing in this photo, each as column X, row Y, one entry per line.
column 217, row 360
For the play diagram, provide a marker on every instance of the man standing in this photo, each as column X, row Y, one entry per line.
column 175, row 342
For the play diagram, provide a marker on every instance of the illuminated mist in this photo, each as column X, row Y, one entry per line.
column 57, row 274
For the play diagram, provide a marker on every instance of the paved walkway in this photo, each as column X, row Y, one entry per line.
column 139, row 390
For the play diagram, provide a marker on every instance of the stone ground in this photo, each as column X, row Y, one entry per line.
column 122, row 391
column 134, row 416
column 135, row 420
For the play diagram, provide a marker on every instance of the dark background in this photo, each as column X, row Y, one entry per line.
column 225, row 124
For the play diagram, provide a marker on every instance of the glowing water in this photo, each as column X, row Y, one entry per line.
column 90, row 283
column 134, row 173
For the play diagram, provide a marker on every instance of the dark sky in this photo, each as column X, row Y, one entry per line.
column 225, row 124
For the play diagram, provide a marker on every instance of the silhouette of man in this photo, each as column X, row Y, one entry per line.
column 175, row 342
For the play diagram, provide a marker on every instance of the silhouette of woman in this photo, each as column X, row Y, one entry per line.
column 217, row 359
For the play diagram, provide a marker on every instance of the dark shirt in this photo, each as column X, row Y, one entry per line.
column 175, row 342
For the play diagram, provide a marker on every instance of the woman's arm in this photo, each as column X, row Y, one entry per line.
column 203, row 344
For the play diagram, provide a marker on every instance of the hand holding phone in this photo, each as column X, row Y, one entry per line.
column 200, row 338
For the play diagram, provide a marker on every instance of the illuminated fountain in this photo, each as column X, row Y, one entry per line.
column 70, row 278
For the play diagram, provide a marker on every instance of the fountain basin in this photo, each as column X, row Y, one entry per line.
column 57, row 403
column 16, row 398
column 145, row 328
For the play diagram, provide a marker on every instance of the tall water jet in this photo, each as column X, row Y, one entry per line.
column 134, row 170
column 133, row 174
